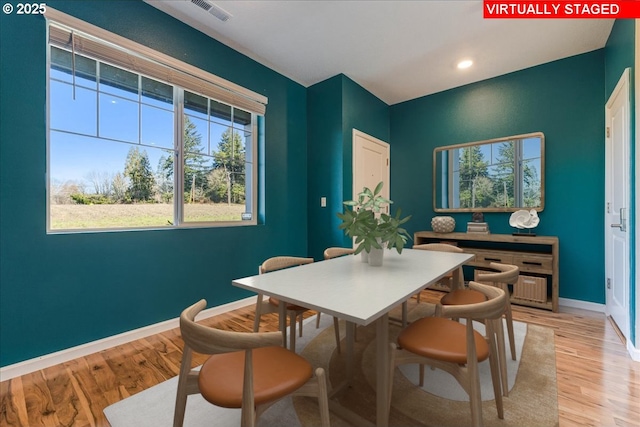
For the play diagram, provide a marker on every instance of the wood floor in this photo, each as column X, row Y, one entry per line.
column 598, row 383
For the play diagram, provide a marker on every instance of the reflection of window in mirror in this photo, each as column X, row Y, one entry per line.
column 501, row 174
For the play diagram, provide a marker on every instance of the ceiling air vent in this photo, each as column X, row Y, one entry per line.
column 216, row 11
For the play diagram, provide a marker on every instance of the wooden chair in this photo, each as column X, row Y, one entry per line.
column 456, row 279
column 271, row 305
column 251, row 371
column 506, row 275
column 335, row 252
column 455, row 347
column 330, row 253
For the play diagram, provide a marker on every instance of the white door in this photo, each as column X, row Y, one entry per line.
column 370, row 163
column 617, row 182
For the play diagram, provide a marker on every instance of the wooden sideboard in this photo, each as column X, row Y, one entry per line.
column 536, row 256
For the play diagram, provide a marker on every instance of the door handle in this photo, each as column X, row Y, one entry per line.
column 622, row 226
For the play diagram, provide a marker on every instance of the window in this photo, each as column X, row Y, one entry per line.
column 501, row 174
column 135, row 142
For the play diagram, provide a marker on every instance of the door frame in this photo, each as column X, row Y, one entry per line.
column 633, row 344
column 621, row 88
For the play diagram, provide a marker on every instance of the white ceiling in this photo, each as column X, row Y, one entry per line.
column 397, row 50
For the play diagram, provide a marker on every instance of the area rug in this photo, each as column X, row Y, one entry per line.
column 532, row 398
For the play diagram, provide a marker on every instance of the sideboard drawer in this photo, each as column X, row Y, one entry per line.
column 537, row 263
column 485, row 257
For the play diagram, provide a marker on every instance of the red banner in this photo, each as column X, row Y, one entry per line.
column 502, row 9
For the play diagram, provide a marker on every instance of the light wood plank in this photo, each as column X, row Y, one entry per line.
column 598, row 383
column 13, row 403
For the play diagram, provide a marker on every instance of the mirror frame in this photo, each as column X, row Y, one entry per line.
column 491, row 141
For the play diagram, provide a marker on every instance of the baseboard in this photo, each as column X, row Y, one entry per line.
column 633, row 351
column 21, row 368
column 584, row 305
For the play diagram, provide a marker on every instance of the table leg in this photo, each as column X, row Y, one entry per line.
column 350, row 338
column 292, row 332
column 456, row 279
column 404, row 314
column 349, row 370
column 382, row 371
column 282, row 321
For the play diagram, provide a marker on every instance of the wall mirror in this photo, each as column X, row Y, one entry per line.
column 496, row 175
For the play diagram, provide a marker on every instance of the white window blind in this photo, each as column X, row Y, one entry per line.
column 78, row 36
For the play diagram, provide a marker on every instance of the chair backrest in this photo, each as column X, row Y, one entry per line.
column 336, row 252
column 507, row 273
column 442, row 247
column 280, row 262
column 493, row 308
column 206, row 340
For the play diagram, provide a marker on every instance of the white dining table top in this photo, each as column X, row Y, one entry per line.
column 347, row 288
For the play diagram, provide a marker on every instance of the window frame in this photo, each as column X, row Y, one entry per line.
column 517, row 163
column 232, row 95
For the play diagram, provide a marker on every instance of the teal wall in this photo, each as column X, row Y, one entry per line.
column 335, row 107
column 58, row 291
column 620, row 54
column 325, row 164
column 564, row 100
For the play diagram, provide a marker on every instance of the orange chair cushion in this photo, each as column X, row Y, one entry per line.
column 441, row 339
column 462, row 297
column 276, row 373
column 293, row 307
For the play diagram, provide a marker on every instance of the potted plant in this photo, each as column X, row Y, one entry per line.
column 372, row 228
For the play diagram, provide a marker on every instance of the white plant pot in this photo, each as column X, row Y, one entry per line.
column 376, row 256
column 364, row 256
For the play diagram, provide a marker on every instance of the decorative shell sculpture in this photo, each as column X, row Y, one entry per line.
column 524, row 219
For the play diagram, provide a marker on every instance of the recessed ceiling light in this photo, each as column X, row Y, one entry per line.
column 465, row 64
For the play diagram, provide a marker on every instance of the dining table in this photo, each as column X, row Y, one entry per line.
column 361, row 294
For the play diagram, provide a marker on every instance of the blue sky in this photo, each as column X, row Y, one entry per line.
column 94, row 132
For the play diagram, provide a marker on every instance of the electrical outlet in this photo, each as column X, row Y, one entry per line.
column 323, row 202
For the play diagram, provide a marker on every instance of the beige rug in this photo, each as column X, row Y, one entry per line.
column 532, row 399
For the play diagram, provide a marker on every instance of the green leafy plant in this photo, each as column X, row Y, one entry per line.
column 371, row 227
column 89, row 199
